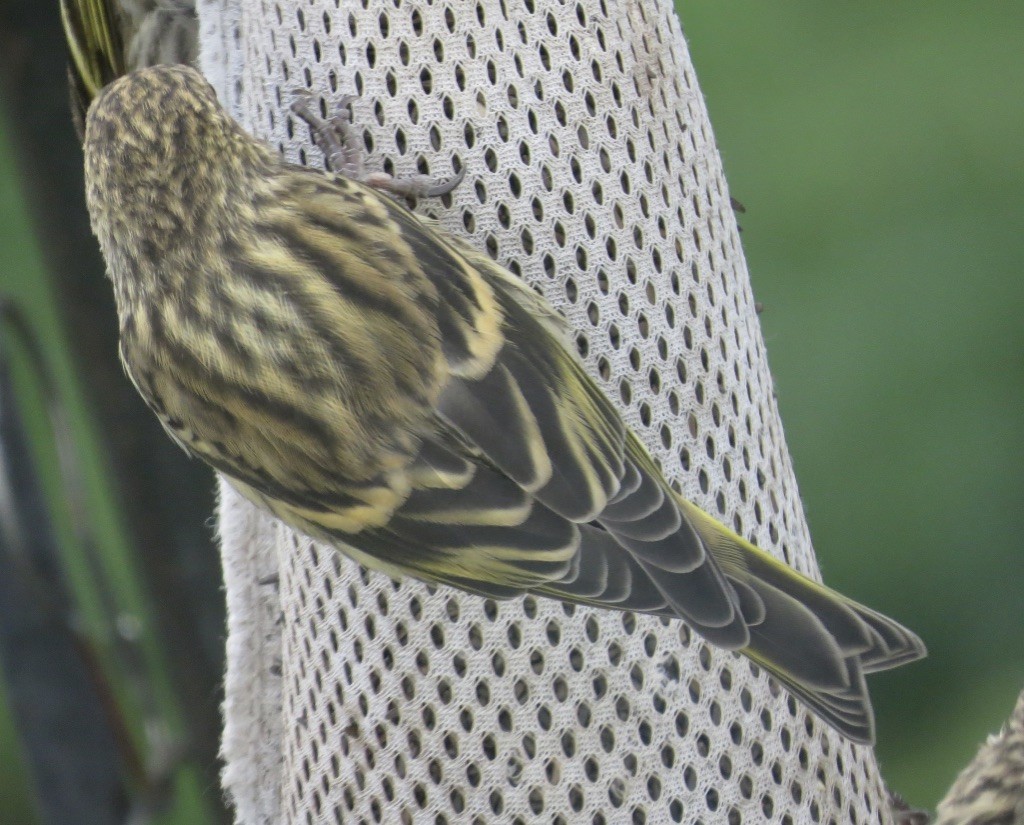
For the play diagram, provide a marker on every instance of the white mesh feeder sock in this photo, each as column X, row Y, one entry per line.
column 592, row 172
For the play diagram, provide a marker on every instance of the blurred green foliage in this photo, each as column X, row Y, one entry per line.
column 16, row 792
column 877, row 149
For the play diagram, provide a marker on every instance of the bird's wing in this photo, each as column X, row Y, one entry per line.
column 524, row 478
column 545, row 454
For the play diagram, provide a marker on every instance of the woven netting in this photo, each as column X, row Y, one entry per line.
column 592, row 172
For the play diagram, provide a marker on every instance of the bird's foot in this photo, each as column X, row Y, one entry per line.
column 338, row 141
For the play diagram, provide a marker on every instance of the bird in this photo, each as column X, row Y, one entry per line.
column 108, row 38
column 990, row 790
column 381, row 386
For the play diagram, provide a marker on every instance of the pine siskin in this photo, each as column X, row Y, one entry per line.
column 387, row 389
column 107, row 38
column 990, row 790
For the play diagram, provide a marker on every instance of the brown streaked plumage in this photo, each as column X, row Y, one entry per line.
column 385, row 388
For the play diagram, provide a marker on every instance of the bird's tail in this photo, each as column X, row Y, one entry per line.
column 815, row 641
column 96, row 53
column 108, row 38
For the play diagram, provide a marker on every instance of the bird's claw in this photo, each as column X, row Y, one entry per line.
column 339, row 143
column 414, row 186
column 335, row 137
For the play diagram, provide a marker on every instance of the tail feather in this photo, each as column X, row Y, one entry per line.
column 838, row 615
column 814, row 641
column 796, row 643
column 848, row 711
column 896, row 645
column 96, row 52
column 107, row 38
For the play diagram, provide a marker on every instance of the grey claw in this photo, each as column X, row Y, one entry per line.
column 300, row 106
column 444, row 187
column 344, row 106
column 415, row 186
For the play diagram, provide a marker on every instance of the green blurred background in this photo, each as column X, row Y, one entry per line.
column 877, row 148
